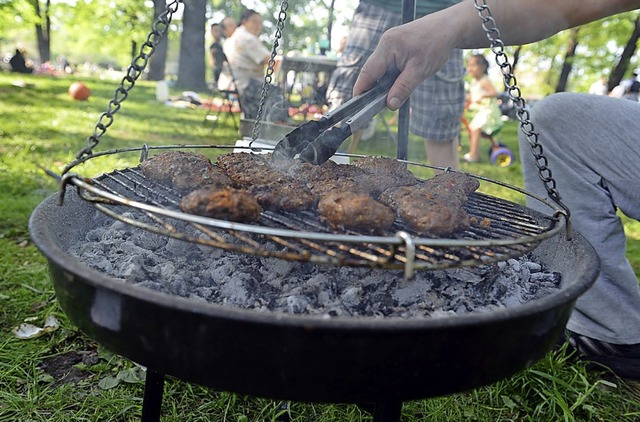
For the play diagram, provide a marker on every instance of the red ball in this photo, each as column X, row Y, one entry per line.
column 79, row 91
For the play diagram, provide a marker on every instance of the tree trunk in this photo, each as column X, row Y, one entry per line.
column 623, row 64
column 43, row 31
column 516, row 58
column 158, row 60
column 568, row 61
column 191, row 64
column 330, row 23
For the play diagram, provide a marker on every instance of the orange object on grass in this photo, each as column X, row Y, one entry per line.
column 79, row 91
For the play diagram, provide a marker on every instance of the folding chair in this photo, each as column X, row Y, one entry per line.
column 229, row 100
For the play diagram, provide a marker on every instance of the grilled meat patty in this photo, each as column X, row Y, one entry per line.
column 285, row 196
column 385, row 173
column 434, row 206
column 272, row 188
column 225, row 204
column 455, row 183
column 356, row 211
column 345, row 194
column 246, row 169
column 184, row 171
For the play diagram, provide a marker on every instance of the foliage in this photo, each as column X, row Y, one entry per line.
column 600, row 44
column 104, row 32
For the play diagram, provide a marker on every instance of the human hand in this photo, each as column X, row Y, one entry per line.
column 418, row 53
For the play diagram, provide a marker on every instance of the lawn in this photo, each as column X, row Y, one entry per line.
column 63, row 375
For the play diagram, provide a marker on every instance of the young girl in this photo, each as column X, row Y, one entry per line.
column 482, row 100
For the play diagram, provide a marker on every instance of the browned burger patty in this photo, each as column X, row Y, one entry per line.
column 285, row 196
column 329, row 170
column 184, row 171
column 384, row 173
column 354, row 211
column 225, row 204
column 424, row 214
column 321, row 187
column 332, row 177
column 246, row 170
column 436, row 218
column 457, row 183
column 434, row 206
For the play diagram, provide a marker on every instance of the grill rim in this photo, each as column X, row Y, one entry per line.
column 42, row 235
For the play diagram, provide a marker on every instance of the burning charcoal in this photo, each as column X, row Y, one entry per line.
column 235, row 292
column 297, row 304
column 273, row 285
column 147, row 240
column 352, row 295
column 533, row 266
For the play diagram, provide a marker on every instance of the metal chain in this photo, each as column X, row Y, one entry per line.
column 268, row 78
column 524, row 117
column 135, row 69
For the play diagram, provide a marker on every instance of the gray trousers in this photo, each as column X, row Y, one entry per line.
column 593, row 146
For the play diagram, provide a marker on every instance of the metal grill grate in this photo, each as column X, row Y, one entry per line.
column 502, row 229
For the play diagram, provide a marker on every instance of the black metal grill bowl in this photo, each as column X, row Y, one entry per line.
column 306, row 358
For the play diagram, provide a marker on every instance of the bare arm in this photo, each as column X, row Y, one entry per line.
column 488, row 90
column 420, row 48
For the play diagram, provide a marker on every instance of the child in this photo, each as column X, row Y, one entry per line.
column 482, row 100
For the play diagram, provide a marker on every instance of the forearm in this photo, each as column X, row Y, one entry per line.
column 524, row 21
column 420, row 48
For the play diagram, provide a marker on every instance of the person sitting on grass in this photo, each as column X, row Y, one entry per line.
column 19, row 63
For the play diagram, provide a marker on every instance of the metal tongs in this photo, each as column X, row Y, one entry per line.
column 317, row 140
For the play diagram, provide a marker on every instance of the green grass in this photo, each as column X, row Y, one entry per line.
column 41, row 125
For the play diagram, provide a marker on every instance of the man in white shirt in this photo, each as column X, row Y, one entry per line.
column 245, row 52
column 248, row 57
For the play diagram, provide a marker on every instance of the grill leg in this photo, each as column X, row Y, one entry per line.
column 152, row 401
column 387, row 412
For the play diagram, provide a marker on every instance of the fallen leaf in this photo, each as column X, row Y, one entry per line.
column 26, row 331
column 107, row 383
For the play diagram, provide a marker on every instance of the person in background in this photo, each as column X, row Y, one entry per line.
column 591, row 143
column 623, row 88
column 341, row 46
column 247, row 57
column 436, row 106
column 599, row 87
column 632, row 91
column 246, row 54
column 216, row 55
column 18, row 62
column 228, row 25
column 223, row 80
column 483, row 103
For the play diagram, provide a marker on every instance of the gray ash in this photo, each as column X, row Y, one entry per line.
column 177, row 267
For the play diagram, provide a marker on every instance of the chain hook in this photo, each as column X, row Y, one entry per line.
column 134, row 71
column 515, row 95
column 268, row 78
